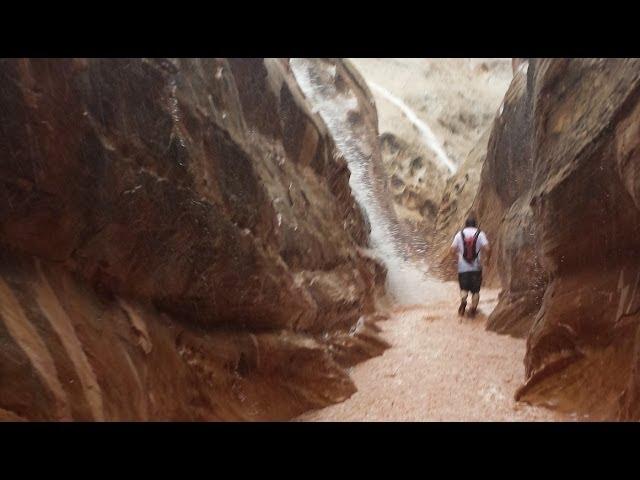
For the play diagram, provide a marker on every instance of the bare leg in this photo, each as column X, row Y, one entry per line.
column 463, row 302
column 475, row 298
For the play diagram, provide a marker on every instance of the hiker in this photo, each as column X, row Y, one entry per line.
column 471, row 246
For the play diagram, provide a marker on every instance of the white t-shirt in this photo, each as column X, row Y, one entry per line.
column 463, row 265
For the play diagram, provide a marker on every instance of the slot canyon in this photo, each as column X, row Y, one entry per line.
column 268, row 239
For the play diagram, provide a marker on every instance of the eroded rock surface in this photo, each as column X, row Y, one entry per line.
column 559, row 195
column 455, row 204
column 178, row 241
column 456, row 99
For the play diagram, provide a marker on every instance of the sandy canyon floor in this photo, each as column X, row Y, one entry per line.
column 439, row 368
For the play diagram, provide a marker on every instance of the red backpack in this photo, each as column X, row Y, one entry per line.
column 469, row 246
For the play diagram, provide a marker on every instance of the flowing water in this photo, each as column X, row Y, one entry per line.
column 427, row 134
column 440, row 366
column 407, row 281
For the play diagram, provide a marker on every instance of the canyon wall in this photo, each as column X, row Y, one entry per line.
column 456, row 202
column 178, row 240
column 559, row 196
column 456, row 99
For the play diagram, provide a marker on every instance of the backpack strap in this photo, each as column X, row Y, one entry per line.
column 475, row 241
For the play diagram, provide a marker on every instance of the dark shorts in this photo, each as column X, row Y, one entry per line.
column 470, row 281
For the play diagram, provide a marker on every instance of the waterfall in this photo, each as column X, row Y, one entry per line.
column 406, row 280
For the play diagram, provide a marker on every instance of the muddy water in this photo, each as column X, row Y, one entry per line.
column 439, row 369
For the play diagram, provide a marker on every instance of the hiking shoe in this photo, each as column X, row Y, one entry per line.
column 463, row 306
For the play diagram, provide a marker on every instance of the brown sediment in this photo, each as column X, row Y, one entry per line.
column 439, row 369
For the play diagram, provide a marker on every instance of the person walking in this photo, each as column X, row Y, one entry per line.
column 471, row 247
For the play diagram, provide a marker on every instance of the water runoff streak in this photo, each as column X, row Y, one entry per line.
column 427, row 134
column 406, row 281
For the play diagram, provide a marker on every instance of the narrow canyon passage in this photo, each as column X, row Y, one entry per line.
column 268, row 239
column 439, row 369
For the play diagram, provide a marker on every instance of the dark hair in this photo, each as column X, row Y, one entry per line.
column 471, row 222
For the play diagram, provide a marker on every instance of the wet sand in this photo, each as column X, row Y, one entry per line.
column 439, row 369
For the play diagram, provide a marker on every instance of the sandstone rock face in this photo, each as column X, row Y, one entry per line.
column 457, row 100
column 178, row 241
column 415, row 183
column 559, row 194
column 455, row 204
column 516, row 63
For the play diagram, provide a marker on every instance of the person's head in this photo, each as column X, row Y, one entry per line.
column 471, row 221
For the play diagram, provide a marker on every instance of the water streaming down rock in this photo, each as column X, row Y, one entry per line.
column 425, row 131
column 339, row 107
